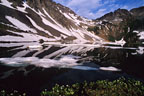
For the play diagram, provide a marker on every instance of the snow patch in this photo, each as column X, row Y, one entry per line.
column 26, row 37
column 135, row 31
column 8, row 25
column 67, row 16
column 75, row 19
column 56, row 26
column 19, row 24
column 46, row 22
column 6, row 3
column 141, row 34
column 24, row 45
column 120, row 42
column 38, row 27
column 41, row 14
column 22, row 9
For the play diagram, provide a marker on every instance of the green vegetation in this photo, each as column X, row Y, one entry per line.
column 4, row 28
column 111, row 38
column 119, row 87
column 130, row 37
column 136, row 24
column 16, row 2
column 14, row 93
column 94, row 29
column 41, row 41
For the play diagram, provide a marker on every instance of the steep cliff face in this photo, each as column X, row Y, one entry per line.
column 31, row 20
column 119, row 24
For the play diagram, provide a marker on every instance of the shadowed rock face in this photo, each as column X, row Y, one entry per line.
column 138, row 12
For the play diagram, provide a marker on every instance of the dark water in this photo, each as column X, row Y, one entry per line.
column 33, row 70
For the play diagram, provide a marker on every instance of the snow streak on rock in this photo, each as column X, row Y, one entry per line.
column 19, row 24
column 6, row 3
column 54, row 31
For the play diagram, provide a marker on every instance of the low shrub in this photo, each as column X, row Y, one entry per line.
column 14, row 93
column 120, row 87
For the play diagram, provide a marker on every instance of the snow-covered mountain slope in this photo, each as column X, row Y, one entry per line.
column 32, row 20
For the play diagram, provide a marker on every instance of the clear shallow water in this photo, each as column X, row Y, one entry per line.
column 32, row 70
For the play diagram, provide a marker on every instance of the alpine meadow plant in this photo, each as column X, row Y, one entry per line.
column 119, row 87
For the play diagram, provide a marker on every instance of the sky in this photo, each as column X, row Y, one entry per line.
column 93, row 9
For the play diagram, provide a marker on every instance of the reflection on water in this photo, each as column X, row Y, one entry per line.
column 26, row 68
column 64, row 61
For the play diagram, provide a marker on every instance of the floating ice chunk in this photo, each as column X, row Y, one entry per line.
column 120, row 42
column 65, row 61
column 85, row 68
column 140, row 50
column 109, row 69
column 96, row 69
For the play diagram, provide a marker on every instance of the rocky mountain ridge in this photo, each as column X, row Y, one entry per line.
column 119, row 24
column 32, row 20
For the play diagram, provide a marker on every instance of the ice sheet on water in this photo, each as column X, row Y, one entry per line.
column 96, row 68
column 85, row 68
column 109, row 68
column 64, row 61
column 67, row 61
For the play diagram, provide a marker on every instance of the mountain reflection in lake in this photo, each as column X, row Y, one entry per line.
column 31, row 70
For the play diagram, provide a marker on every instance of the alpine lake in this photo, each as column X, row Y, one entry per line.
column 33, row 67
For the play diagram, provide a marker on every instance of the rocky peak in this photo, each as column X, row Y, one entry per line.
column 120, row 24
column 42, row 19
column 138, row 12
column 118, row 14
column 121, row 13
